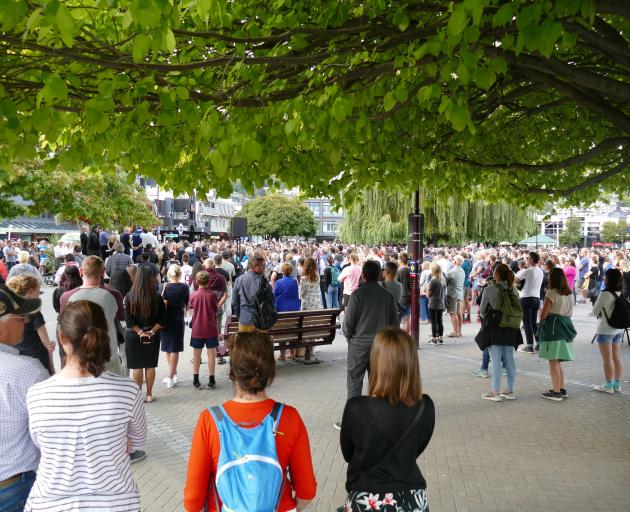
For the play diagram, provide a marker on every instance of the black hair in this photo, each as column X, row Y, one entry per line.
column 613, row 280
column 534, row 256
column 371, row 271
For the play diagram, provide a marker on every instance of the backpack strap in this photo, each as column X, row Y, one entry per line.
column 275, row 414
column 218, row 414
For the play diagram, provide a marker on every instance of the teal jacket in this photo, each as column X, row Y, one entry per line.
column 556, row 328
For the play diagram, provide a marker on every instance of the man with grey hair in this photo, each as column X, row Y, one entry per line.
column 455, row 278
column 118, row 260
column 19, row 456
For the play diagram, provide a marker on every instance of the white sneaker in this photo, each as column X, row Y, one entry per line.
column 175, row 379
column 169, row 383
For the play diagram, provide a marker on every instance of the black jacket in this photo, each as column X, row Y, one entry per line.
column 370, row 429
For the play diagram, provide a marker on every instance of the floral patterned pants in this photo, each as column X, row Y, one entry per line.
column 400, row 501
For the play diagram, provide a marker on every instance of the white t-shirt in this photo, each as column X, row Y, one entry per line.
column 533, row 277
column 60, row 252
column 186, row 273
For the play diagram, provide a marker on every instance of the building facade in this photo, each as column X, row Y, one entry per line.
column 591, row 221
column 328, row 219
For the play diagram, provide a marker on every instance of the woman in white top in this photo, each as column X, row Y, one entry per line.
column 609, row 338
column 84, row 421
column 556, row 331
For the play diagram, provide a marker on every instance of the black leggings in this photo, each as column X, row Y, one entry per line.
column 437, row 328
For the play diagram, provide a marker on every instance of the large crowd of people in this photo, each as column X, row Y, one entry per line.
column 122, row 299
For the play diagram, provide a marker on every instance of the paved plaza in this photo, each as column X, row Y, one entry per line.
column 527, row 455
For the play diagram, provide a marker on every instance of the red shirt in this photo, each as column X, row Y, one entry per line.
column 204, row 303
column 292, row 446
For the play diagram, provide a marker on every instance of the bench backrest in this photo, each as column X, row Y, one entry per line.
column 312, row 327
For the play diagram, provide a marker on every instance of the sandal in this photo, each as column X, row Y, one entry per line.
column 149, row 399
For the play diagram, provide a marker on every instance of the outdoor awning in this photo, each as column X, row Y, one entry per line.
column 540, row 239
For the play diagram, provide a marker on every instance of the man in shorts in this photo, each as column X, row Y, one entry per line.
column 455, row 293
column 204, row 305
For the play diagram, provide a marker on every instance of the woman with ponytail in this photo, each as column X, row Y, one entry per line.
column 503, row 340
column 85, row 420
column 252, row 369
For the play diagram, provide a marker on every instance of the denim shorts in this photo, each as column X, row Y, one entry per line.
column 609, row 338
column 406, row 313
column 212, row 342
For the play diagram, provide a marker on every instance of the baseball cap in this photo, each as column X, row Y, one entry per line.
column 12, row 304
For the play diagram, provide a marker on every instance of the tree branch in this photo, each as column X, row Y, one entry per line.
column 589, row 155
column 593, row 180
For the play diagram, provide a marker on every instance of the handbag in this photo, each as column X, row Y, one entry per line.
column 394, row 449
column 483, row 337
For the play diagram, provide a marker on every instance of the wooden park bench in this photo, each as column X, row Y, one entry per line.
column 298, row 329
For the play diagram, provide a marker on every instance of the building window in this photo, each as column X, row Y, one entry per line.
column 315, row 208
column 330, row 228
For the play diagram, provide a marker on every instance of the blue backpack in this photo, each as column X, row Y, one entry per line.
column 249, row 477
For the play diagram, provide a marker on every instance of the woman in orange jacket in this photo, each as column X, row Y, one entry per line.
column 252, row 369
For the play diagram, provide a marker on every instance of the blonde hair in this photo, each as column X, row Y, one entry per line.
column 394, row 368
column 286, row 269
column 174, row 273
column 624, row 265
column 425, row 265
column 436, row 271
column 23, row 284
column 92, row 267
column 23, row 256
column 354, row 258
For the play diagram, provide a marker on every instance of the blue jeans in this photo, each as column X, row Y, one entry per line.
column 424, row 308
column 485, row 361
column 332, row 297
column 530, row 307
column 505, row 352
column 13, row 498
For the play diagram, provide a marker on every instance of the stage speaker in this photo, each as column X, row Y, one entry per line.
column 239, row 227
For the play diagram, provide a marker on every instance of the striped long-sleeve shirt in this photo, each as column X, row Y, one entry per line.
column 81, row 427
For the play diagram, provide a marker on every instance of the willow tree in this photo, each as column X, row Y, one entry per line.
column 525, row 100
column 379, row 215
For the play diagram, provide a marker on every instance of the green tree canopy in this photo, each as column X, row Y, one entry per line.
column 614, row 232
column 380, row 216
column 274, row 216
column 571, row 233
column 107, row 199
column 524, row 100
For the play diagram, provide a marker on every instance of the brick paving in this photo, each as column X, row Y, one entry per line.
column 526, row 455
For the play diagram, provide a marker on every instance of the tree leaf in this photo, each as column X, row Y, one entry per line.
column 457, row 21
column 65, row 22
column 389, row 101
column 127, row 19
column 401, row 20
column 169, row 41
column 141, row 44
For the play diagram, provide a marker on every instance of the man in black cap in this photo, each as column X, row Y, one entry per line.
column 19, row 457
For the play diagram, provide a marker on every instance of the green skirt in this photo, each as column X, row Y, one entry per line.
column 559, row 350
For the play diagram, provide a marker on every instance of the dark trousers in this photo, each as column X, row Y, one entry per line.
column 530, row 307
column 358, row 363
column 437, row 327
column 322, row 289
